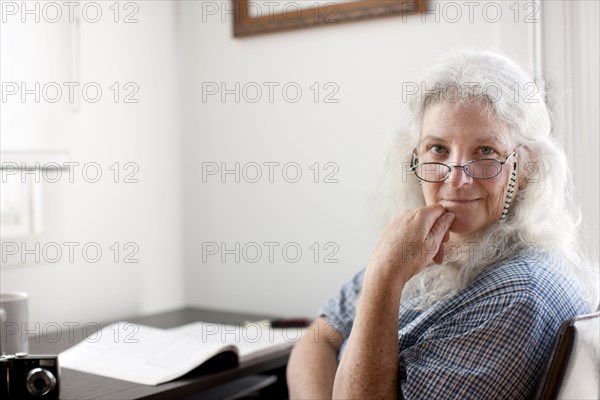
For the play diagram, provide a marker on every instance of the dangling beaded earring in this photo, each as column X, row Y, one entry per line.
column 509, row 192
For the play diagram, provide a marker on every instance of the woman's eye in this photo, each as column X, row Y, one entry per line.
column 437, row 149
column 487, row 151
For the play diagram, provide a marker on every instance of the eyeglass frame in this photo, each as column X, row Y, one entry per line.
column 450, row 167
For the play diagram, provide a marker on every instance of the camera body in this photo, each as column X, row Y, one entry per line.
column 27, row 376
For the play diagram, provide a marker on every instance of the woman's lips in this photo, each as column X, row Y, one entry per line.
column 461, row 201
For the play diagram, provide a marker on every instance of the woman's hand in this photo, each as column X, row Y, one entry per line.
column 410, row 242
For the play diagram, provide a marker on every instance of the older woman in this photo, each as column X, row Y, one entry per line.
column 471, row 279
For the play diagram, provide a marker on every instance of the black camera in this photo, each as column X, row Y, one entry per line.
column 27, row 376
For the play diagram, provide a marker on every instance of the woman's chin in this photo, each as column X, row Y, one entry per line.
column 462, row 227
column 467, row 228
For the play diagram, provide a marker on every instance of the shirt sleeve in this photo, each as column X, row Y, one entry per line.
column 341, row 309
column 493, row 349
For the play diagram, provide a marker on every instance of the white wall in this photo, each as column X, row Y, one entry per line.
column 368, row 61
column 147, row 134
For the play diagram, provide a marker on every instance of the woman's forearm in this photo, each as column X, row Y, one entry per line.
column 369, row 366
column 313, row 362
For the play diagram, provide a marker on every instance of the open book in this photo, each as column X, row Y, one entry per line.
column 150, row 356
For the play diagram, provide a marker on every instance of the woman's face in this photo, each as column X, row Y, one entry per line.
column 455, row 134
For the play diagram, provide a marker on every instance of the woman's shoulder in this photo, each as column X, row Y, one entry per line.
column 538, row 277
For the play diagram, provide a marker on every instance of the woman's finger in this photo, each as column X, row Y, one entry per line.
column 439, row 234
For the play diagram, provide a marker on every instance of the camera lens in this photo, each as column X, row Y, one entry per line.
column 40, row 381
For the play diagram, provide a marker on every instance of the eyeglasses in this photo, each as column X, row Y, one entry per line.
column 486, row 168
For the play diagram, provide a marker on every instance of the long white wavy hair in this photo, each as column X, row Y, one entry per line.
column 543, row 215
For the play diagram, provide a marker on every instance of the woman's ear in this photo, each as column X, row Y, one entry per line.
column 414, row 160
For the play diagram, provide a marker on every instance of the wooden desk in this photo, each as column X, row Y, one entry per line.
column 77, row 385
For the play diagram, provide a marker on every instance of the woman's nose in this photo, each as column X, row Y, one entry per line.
column 458, row 176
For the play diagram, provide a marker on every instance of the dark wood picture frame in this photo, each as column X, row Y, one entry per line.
column 246, row 24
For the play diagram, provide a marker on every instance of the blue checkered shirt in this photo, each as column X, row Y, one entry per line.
column 490, row 341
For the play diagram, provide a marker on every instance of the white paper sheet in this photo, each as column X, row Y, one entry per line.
column 139, row 353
